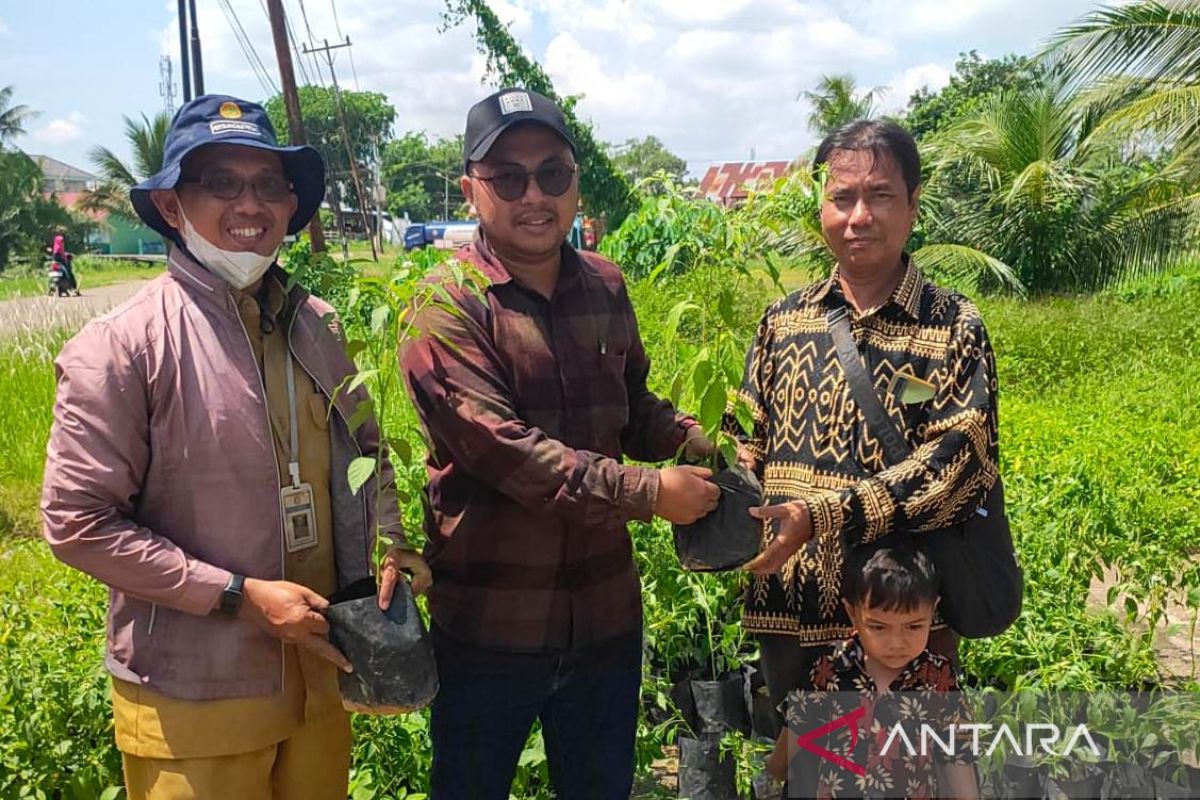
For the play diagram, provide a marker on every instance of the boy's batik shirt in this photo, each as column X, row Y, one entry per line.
column 925, row 693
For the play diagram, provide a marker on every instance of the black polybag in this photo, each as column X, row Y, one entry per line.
column 392, row 654
column 728, row 537
column 704, row 772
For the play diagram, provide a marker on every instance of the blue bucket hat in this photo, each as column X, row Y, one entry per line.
column 220, row 119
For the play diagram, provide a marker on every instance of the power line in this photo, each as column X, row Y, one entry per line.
column 244, row 41
column 327, row 50
column 333, row 5
column 296, row 49
column 338, row 25
column 239, row 35
column 311, row 42
column 291, row 37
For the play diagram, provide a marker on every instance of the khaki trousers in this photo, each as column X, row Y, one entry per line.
column 312, row 764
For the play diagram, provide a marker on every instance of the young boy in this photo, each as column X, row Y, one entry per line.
column 882, row 676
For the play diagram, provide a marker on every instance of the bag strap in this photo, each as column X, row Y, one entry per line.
column 862, row 388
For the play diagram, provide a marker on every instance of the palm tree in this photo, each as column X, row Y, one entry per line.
column 1145, row 59
column 12, row 118
column 1059, row 203
column 146, row 139
column 836, row 102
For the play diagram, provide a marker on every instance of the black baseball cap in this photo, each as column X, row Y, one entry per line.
column 495, row 114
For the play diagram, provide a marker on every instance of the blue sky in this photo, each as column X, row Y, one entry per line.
column 714, row 79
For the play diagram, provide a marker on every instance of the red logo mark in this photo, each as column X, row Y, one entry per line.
column 845, row 721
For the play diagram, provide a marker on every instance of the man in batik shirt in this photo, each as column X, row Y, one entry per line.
column 824, row 473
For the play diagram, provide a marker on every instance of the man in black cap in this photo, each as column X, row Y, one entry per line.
column 195, row 467
column 531, row 397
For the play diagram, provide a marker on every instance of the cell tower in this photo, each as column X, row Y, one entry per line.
column 166, row 85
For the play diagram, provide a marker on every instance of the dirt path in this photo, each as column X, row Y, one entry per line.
column 43, row 313
column 1172, row 641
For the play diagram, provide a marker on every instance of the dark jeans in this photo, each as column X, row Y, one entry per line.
column 587, row 702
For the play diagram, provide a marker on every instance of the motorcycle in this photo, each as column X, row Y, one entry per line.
column 60, row 279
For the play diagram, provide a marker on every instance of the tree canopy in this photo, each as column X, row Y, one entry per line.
column 638, row 159
column 369, row 120
column 975, row 79
column 421, row 176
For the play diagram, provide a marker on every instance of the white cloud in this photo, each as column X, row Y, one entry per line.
column 712, row 78
column 63, row 130
column 3, row 28
column 902, row 85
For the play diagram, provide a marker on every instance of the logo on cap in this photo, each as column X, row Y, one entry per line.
column 230, row 111
column 515, row 101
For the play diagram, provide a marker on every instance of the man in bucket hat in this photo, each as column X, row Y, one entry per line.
column 195, row 467
column 532, row 395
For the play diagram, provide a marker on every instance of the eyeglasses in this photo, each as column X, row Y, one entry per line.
column 509, row 183
column 230, row 185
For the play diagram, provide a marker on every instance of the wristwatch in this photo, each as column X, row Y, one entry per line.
column 231, row 596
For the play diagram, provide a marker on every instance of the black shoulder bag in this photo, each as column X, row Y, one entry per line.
column 981, row 582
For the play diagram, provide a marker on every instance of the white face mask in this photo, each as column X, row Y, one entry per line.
column 237, row 268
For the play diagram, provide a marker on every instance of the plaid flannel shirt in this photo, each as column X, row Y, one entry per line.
column 529, row 405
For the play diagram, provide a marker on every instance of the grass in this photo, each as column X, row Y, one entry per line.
column 1101, row 462
column 91, row 271
column 26, row 406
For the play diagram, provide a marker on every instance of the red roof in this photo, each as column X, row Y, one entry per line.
column 727, row 183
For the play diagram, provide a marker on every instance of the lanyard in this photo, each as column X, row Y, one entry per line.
column 293, row 453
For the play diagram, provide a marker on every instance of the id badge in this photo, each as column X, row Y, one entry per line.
column 299, row 521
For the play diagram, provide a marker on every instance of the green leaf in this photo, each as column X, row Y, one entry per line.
column 671, row 328
column 400, row 448
column 379, row 319
column 676, row 390
column 111, row 793
column 354, row 347
column 361, row 470
column 362, row 377
column 725, row 308
column 667, row 262
column 362, row 412
column 744, row 415
column 712, row 407
column 535, row 753
column 702, row 376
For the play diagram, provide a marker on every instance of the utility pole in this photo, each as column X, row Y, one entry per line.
column 337, row 98
column 184, row 71
column 197, row 68
column 291, row 100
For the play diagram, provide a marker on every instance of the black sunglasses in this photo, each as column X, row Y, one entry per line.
column 230, row 185
column 510, row 183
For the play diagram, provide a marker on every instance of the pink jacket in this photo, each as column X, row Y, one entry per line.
column 161, row 478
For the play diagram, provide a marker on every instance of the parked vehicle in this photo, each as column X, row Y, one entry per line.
column 453, row 234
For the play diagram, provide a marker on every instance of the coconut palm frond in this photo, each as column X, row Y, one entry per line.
column 147, row 139
column 1171, row 110
column 111, row 167
column 961, row 265
column 12, row 118
column 1149, row 38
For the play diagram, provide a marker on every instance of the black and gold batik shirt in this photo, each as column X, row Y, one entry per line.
column 929, row 355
